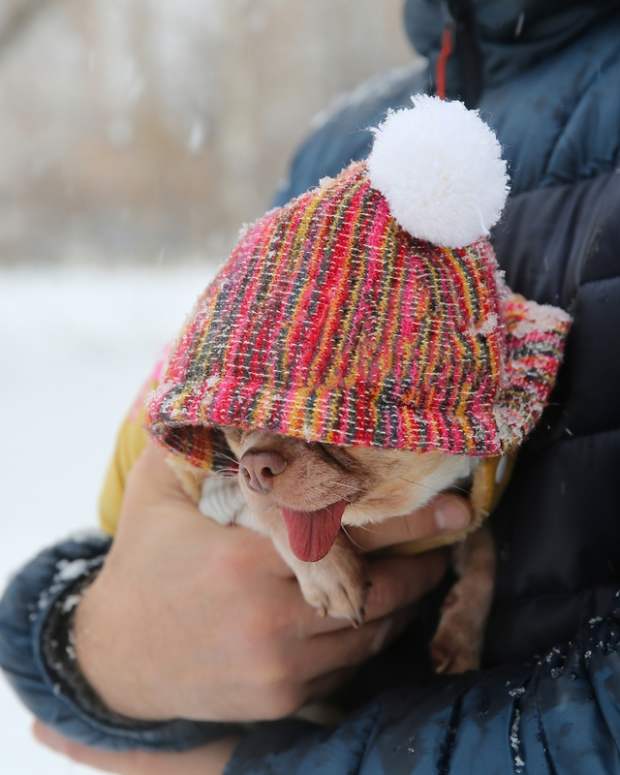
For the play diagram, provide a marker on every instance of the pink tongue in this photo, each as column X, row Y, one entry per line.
column 311, row 534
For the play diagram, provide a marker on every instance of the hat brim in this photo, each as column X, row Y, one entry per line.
column 535, row 336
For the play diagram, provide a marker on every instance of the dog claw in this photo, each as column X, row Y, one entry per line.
column 335, row 584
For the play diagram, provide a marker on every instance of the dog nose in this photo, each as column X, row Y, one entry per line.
column 259, row 468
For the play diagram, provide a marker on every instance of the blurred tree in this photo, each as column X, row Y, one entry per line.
column 15, row 16
column 140, row 129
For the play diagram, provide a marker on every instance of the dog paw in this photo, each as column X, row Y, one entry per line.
column 448, row 655
column 333, row 598
column 335, row 586
column 457, row 645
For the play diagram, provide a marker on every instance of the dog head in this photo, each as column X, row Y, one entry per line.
column 316, row 488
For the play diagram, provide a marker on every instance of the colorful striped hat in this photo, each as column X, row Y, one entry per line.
column 371, row 311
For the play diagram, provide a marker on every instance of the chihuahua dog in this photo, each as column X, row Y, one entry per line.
column 371, row 311
column 305, row 495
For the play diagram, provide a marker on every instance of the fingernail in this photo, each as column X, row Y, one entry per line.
column 451, row 514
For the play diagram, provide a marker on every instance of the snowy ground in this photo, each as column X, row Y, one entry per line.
column 77, row 344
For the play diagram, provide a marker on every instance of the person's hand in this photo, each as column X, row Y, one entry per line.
column 191, row 619
column 206, row 760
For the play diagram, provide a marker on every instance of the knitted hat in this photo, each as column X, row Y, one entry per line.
column 370, row 310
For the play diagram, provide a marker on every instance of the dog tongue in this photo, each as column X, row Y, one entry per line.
column 311, row 534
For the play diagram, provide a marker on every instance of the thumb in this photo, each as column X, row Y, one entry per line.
column 446, row 513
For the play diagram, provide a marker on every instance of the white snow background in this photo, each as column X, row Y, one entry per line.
column 77, row 344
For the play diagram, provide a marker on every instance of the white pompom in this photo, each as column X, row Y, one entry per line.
column 440, row 168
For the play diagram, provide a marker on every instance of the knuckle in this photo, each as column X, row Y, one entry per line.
column 264, row 622
column 385, row 593
column 274, row 677
column 229, row 560
column 258, row 628
column 283, row 700
column 276, row 669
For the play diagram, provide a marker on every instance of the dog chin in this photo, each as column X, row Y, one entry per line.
column 379, row 509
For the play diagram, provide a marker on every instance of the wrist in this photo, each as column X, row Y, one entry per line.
column 107, row 653
column 58, row 648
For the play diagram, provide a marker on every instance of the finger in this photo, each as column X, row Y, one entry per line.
column 394, row 582
column 211, row 758
column 336, row 651
column 446, row 513
column 106, row 761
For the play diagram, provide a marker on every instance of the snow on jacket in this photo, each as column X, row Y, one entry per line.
column 546, row 77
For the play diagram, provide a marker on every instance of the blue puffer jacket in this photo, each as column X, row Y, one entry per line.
column 546, row 76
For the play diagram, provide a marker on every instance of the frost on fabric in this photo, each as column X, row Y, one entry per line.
column 70, row 603
column 515, row 742
column 503, row 290
column 505, row 424
column 325, row 182
column 86, row 534
column 68, row 570
column 540, row 317
column 487, row 326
